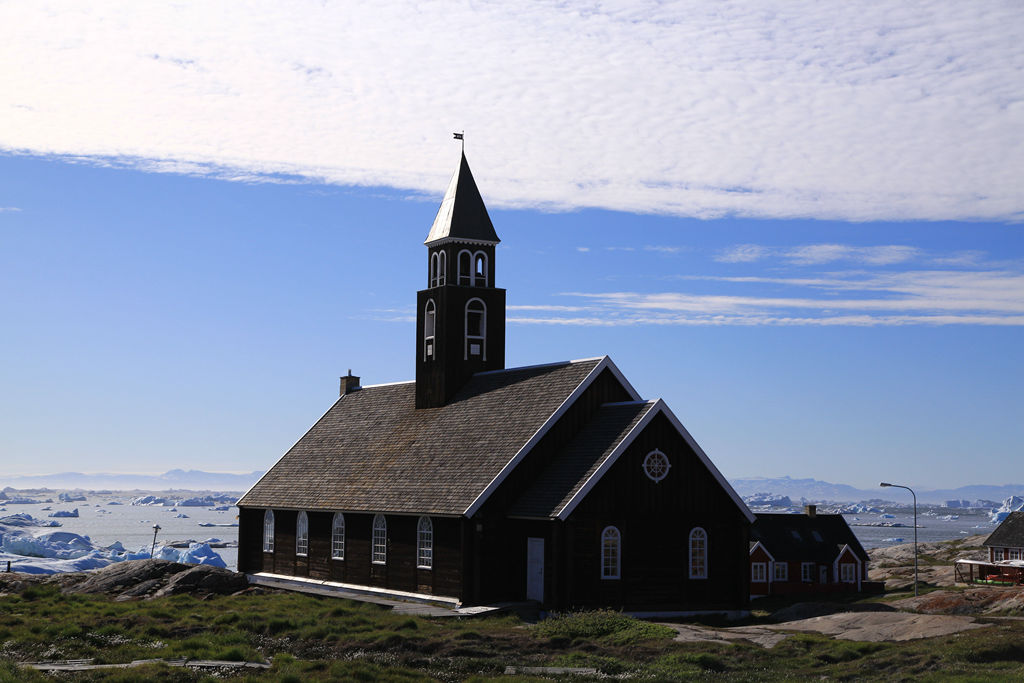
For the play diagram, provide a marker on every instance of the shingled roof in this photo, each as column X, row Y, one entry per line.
column 580, row 460
column 462, row 215
column 373, row 451
column 792, row 537
column 1009, row 534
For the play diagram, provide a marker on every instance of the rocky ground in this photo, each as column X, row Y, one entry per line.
column 895, row 565
column 137, row 579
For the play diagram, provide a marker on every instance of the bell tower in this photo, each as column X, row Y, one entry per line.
column 460, row 317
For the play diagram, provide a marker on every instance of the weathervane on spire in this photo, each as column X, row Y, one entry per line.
column 462, row 138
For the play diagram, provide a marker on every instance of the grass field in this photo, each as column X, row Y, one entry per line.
column 310, row 638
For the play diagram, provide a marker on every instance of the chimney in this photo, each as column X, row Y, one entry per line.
column 811, row 510
column 349, row 383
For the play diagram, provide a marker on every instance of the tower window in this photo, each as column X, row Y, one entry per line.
column 476, row 329
column 302, row 534
column 429, row 326
column 480, row 269
column 465, row 268
column 438, row 268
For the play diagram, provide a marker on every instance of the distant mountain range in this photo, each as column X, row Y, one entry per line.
column 191, row 480
column 814, row 490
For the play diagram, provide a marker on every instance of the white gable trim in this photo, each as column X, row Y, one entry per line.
column 604, row 363
column 758, row 544
column 660, row 407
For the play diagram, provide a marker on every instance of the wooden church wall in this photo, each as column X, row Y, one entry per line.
column 655, row 520
column 399, row 572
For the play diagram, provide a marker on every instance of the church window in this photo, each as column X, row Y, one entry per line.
column 480, row 269
column 268, row 531
column 338, row 537
column 302, row 534
column 611, row 557
column 698, row 554
column 429, row 326
column 656, row 465
column 476, row 326
column 465, row 268
column 433, row 269
column 380, row 539
column 425, row 543
column 442, row 267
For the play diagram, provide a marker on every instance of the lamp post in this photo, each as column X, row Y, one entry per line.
column 152, row 548
column 900, row 486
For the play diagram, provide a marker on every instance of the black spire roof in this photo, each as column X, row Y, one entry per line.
column 462, row 215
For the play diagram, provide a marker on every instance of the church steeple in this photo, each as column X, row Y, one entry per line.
column 460, row 319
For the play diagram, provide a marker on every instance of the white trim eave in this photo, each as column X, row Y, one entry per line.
column 707, row 463
column 846, row 546
column 459, row 240
column 287, row 452
column 659, row 407
column 605, row 362
column 766, row 551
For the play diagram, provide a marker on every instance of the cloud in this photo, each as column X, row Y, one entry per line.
column 849, row 111
column 583, row 249
column 743, row 253
column 927, row 297
column 825, row 253
column 9, row 209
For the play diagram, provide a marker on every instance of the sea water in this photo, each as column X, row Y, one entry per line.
column 109, row 517
column 933, row 524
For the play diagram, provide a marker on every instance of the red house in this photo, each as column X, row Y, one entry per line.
column 476, row 483
column 808, row 553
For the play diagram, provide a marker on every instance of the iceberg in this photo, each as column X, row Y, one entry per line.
column 70, row 498
column 64, row 513
column 30, row 551
column 1011, row 504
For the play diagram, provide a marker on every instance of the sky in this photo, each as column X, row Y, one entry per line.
column 798, row 223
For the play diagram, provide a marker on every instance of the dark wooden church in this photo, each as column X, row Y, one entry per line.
column 478, row 483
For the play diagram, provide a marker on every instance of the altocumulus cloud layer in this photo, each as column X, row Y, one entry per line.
column 851, row 110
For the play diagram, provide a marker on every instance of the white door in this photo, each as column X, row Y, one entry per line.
column 535, row 569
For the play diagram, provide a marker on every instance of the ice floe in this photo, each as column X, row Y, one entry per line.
column 29, row 548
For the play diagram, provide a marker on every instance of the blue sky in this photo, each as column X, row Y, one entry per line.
column 803, row 233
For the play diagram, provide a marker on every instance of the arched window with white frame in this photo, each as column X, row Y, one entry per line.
column 425, row 543
column 479, row 269
column 611, row 553
column 476, row 329
column 268, row 531
column 465, row 268
column 698, row 553
column 380, row 540
column 442, row 267
column 338, row 537
column 433, row 269
column 302, row 534
column 429, row 329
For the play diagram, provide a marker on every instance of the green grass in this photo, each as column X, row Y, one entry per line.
column 311, row 638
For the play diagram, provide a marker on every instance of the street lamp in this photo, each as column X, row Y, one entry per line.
column 900, row 486
column 152, row 548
